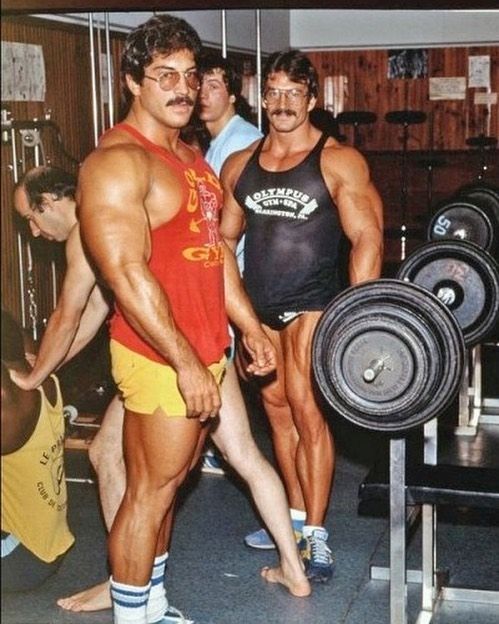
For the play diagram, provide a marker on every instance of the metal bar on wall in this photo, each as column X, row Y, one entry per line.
column 110, row 94
column 99, row 74
column 20, row 253
column 95, row 114
column 258, row 68
column 224, row 32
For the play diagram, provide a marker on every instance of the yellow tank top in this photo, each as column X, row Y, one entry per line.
column 34, row 496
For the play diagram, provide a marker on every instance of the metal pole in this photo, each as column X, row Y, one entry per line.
column 224, row 32
column 54, row 284
column 19, row 237
column 398, row 564
column 258, row 68
column 95, row 114
column 429, row 524
column 99, row 75
column 110, row 95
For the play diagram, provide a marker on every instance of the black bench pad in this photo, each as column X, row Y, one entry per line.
column 468, row 486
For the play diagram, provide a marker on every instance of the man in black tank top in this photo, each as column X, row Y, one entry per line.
column 298, row 195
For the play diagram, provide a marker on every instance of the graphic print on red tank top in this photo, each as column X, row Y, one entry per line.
column 187, row 260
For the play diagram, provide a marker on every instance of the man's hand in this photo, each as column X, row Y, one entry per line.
column 199, row 391
column 261, row 352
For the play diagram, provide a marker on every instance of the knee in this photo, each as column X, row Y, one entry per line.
column 95, row 455
column 102, row 455
column 274, row 396
column 242, row 455
column 312, row 427
column 148, row 489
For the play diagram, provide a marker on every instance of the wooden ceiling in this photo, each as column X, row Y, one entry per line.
column 74, row 6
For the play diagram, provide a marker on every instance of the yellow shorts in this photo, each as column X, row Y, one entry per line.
column 147, row 385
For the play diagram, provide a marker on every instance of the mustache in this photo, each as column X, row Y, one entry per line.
column 181, row 99
column 286, row 111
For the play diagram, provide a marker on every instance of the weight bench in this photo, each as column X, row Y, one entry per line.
column 429, row 485
column 443, row 484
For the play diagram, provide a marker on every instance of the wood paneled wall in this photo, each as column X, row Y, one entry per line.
column 67, row 63
column 68, row 100
column 449, row 122
column 426, row 191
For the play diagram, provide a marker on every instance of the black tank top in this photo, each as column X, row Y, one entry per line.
column 293, row 235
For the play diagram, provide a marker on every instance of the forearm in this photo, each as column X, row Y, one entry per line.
column 92, row 318
column 56, row 341
column 238, row 305
column 241, row 313
column 366, row 257
column 231, row 242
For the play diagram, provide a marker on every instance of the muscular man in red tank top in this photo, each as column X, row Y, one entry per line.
column 149, row 218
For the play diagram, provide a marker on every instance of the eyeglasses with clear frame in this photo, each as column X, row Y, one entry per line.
column 293, row 96
column 168, row 79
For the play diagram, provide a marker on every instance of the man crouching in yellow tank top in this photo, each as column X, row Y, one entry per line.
column 35, row 532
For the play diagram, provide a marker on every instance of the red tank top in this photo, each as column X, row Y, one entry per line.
column 187, row 260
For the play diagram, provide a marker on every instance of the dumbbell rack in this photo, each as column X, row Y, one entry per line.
column 434, row 591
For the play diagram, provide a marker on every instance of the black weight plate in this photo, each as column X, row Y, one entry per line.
column 462, row 220
column 387, row 355
column 484, row 194
column 464, row 277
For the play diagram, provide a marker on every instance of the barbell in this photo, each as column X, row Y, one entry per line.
column 388, row 355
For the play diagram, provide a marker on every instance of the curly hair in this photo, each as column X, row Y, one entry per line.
column 161, row 34
column 296, row 65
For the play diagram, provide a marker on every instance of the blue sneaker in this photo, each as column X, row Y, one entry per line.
column 173, row 616
column 317, row 557
column 212, row 464
column 261, row 539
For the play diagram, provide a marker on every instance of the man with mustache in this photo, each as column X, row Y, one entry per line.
column 149, row 208
column 295, row 195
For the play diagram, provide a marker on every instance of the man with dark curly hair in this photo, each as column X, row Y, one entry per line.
column 149, row 207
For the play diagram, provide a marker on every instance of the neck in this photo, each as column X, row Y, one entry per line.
column 295, row 141
column 68, row 216
column 215, row 127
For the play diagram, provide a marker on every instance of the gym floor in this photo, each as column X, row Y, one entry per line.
column 214, row 579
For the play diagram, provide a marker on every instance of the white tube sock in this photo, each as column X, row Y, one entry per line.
column 157, row 603
column 129, row 602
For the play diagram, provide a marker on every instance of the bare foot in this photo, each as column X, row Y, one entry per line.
column 297, row 585
column 92, row 599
